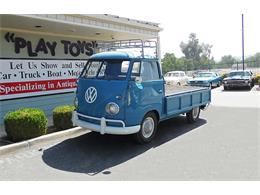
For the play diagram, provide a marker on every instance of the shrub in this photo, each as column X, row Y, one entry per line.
column 257, row 78
column 62, row 117
column 25, row 123
column 224, row 75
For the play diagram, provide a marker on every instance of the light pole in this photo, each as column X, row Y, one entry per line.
column 243, row 54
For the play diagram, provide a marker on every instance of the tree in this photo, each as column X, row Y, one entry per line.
column 168, row 62
column 192, row 50
column 227, row 61
column 253, row 61
column 196, row 56
column 206, row 59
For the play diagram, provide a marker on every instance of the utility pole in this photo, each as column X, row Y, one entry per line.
column 243, row 54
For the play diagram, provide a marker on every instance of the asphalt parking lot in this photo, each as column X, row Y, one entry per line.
column 222, row 145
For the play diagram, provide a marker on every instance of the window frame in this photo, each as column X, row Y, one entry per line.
column 151, row 64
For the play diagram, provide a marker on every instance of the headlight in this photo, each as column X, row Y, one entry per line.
column 76, row 102
column 246, row 81
column 112, row 108
column 225, row 82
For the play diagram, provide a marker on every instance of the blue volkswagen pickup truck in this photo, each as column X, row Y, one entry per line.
column 118, row 93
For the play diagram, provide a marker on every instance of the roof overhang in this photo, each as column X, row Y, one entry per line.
column 100, row 27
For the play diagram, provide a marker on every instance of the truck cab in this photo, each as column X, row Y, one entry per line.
column 119, row 93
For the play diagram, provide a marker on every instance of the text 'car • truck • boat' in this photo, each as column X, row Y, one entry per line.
column 121, row 94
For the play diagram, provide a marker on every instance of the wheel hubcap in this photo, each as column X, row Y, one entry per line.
column 195, row 112
column 148, row 127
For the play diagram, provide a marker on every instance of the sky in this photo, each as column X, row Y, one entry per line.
column 215, row 22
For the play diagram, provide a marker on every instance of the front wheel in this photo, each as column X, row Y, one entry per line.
column 148, row 129
column 193, row 115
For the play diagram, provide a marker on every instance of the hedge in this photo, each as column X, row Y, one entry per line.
column 62, row 117
column 225, row 75
column 25, row 123
column 257, row 79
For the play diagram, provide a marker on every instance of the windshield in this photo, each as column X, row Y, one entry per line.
column 106, row 70
column 205, row 74
column 240, row 73
column 174, row 74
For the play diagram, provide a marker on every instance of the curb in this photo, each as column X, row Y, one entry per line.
column 38, row 140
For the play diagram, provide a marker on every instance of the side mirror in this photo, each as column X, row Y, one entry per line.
column 138, row 80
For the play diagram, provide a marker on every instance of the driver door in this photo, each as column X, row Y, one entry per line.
column 147, row 93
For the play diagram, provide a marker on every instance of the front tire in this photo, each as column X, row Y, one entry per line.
column 148, row 129
column 193, row 115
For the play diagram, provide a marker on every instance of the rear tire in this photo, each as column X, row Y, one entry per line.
column 193, row 115
column 148, row 129
column 225, row 88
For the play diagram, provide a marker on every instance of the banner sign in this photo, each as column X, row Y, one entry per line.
column 25, row 78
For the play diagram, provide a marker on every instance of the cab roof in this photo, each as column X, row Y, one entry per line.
column 117, row 55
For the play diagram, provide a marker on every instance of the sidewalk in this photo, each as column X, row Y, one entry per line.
column 3, row 138
column 4, row 141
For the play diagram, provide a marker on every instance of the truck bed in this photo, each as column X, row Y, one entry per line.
column 181, row 99
column 176, row 89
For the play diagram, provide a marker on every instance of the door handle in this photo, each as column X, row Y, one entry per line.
column 160, row 91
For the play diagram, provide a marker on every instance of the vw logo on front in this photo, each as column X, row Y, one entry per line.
column 91, row 95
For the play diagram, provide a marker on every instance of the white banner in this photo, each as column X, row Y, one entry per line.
column 24, row 78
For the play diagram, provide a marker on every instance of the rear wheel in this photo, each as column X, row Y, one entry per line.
column 193, row 115
column 148, row 128
column 225, row 88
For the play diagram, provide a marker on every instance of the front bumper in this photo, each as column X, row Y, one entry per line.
column 199, row 84
column 237, row 85
column 103, row 128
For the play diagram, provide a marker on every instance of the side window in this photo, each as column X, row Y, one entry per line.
column 136, row 68
column 124, row 67
column 149, row 71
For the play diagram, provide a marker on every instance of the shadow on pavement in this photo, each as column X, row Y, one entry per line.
column 93, row 153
